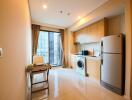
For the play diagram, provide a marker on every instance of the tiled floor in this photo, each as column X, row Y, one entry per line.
column 66, row 84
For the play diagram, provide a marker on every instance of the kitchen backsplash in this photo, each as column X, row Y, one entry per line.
column 96, row 47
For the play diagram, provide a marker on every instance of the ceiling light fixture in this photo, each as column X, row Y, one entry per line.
column 45, row 6
column 68, row 14
column 79, row 17
column 60, row 11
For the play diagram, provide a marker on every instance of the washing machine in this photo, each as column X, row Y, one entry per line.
column 80, row 64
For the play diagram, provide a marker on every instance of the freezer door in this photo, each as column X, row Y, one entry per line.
column 112, row 44
column 111, row 69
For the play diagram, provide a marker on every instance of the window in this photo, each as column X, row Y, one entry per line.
column 49, row 46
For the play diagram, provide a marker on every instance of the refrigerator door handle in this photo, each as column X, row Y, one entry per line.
column 101, row 52
column 101, row 60
column 101, row 43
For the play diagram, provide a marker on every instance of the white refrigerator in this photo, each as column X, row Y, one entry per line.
column 113, row 63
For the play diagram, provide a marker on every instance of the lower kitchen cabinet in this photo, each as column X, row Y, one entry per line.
column 93, row 68
column 73, row 58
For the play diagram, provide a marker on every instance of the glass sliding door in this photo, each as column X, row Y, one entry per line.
column 55, row 49
column 50, row 46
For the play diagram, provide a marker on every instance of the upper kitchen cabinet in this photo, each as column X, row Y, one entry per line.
column 91, row 33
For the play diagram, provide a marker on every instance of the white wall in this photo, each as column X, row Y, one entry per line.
column 15, row 39
column 96, row 47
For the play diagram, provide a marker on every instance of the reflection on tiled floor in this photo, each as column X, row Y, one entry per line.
column 66, row 84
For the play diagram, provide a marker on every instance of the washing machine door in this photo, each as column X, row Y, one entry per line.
column 80, row 64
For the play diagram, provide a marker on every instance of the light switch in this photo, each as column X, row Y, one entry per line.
column 1, row 52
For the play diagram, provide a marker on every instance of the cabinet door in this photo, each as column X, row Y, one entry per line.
column 91, row 33
column 93, row 69
column 101, row 29
column 73, row 62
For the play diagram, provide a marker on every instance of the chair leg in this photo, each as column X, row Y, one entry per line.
column 48, row 87
column 31, row 78
column 48, row 80
column 47, row 75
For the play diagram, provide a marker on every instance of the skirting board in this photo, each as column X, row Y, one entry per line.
column 127, row 97
column 114, row 89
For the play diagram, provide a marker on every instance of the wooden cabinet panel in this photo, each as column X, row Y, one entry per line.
column 73, row 59
column 91, row 33
column 93, row 69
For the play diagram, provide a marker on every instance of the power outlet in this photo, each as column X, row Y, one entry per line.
column 1, row 52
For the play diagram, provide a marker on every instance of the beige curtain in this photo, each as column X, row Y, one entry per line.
column 62, row 39
column 35, row 35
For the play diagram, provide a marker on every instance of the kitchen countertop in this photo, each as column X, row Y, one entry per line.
column 88, row 57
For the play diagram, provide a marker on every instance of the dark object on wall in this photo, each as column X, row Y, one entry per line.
column 85, row 52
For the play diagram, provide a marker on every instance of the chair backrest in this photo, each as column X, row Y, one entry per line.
column 38, row 60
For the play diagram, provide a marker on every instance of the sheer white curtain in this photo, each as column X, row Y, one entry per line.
column 61, row 51
column 62, row 47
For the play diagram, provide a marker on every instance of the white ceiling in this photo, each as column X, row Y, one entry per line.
column 52, row 14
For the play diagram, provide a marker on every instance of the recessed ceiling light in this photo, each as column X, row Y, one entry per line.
column 45, row 6
column 79, row 17
column 68, row 14
column 60, row 11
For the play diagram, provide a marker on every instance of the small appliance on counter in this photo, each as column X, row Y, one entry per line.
column 85, row 52
column 91, row 51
